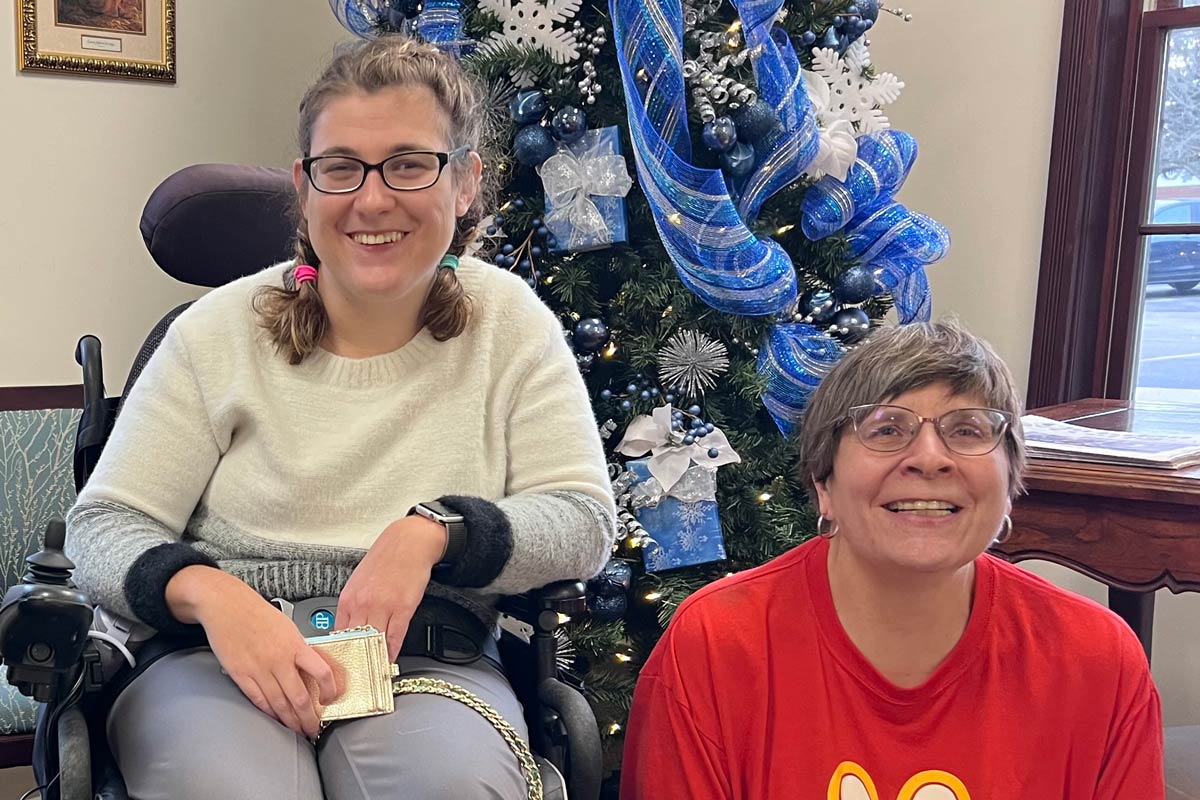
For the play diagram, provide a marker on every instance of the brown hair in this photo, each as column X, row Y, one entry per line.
column 293, row 315
column 898, row 360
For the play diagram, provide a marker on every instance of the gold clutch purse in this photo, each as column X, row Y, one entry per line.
column 359, row 657
column 360, row 660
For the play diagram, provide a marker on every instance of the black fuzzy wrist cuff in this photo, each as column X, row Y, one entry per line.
column 146, row 584
column 488, row 547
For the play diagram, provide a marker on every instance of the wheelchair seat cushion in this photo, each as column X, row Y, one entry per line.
column 209, row 224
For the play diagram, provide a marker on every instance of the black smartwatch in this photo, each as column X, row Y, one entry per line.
column 456, row 529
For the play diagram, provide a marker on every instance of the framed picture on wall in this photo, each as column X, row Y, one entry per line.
column 105, row 38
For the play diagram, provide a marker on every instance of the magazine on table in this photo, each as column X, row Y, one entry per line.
column 1048, row 438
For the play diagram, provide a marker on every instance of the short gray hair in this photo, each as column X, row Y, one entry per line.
column 898, row 360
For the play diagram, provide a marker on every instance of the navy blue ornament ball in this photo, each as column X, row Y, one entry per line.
column 855, row 285
column 533, row 145
column 720, row 135
column 618, row 573
column 755, row 121
column 739, row 161
column 590, row 335
column 852, row 323
column 819, row 305
column 608, row 592
column 527, row 107
column 569, row 124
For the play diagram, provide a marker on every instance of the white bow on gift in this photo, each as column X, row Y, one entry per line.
column 571, row 177
column 671, row 458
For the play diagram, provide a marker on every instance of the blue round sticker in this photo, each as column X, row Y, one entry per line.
column 322, row 620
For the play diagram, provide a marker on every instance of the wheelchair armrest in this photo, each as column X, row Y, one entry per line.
column 560, row 597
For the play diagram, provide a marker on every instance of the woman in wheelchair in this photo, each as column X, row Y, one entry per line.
column 890, row 657
column 385, row 420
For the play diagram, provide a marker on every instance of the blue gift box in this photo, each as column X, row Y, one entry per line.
column 684, row 534
column 592, row 156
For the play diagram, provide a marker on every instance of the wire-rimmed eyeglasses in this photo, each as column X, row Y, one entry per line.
column 967, row 431
column 404, row 172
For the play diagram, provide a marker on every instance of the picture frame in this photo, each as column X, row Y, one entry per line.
column 103, row 38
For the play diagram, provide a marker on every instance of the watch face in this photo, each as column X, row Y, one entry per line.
column 438, row 516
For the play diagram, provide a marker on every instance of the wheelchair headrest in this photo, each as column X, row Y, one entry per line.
column 209, row 224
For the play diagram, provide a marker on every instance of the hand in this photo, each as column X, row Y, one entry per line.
column 387, row 585
column 257, row 646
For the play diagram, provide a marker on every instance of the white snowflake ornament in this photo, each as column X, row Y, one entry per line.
column 847, row 104
column 530, row 22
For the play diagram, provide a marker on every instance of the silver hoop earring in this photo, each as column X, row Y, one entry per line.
column 1006, row 529
column 826, row 533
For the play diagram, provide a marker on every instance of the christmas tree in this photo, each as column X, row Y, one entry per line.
column 704, row 193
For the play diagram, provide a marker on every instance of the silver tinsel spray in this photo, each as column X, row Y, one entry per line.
column 692, row 362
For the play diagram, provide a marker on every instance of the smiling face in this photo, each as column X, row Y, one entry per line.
column 379, row 245
column 924, row 508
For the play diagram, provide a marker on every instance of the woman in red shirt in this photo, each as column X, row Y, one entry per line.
column 892, row 658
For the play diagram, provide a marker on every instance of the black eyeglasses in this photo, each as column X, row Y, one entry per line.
column 404, row 172
column 966, row 431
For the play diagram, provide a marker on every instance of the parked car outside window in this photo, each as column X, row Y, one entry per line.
column 1175, row 260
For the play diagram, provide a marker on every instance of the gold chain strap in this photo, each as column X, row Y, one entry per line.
column 533, row 778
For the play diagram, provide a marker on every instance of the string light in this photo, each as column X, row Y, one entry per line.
column 764, row 497
column 652, row 596
column 611, row 350
column 783, row 230
column 624, row 658
column 562, row 618
column 613, row 728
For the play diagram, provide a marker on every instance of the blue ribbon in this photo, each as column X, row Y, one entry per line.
column 794, row 359
column 784, row 155
column 898, row 244
column 894, row 242
column 883, row 163
column 714, row 252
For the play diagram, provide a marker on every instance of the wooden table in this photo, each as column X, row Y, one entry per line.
column 1135, row 529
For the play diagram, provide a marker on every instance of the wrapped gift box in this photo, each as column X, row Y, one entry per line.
column 594, row 162
column 684, row 532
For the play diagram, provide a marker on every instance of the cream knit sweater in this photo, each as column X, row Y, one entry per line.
column 284, row 475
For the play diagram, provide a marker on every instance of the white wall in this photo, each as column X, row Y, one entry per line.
column 85, row 153
column 981, row 81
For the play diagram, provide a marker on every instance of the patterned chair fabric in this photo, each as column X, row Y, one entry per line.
column 36, row 485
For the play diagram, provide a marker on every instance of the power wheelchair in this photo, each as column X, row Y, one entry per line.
column 207, row 225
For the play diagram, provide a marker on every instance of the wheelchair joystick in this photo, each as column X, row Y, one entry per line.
column 44, row 623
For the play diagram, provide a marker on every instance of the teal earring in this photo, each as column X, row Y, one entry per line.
column 449, row 261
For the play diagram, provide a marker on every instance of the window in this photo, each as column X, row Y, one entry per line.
column 1163, row 247
column 1119, row 289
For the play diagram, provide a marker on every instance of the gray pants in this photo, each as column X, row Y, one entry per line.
column 183, row 730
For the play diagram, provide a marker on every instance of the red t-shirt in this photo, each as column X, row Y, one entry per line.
column 755, row 692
